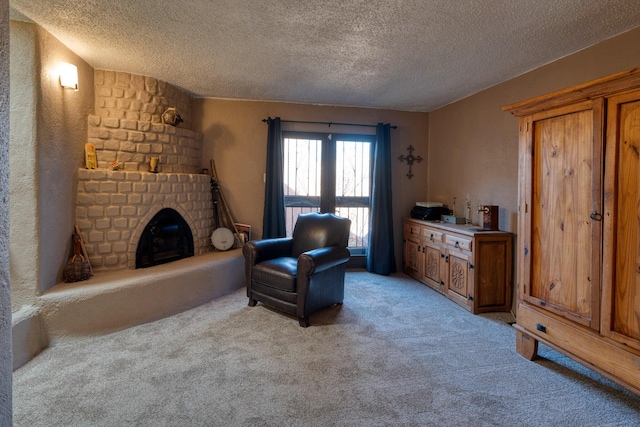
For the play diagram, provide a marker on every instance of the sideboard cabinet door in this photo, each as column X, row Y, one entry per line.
column 432, row 265
column 459, row 283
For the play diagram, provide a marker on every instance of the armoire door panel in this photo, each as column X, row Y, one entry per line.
column 563, row 239
column 622, row 292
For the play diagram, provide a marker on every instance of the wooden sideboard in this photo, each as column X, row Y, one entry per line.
column 468, row 264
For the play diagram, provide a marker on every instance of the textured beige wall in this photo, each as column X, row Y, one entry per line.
column 473, row 145
column 62, row 133
column 5, row 299
column 22, row 164
column 48, row 137
column 235, row 138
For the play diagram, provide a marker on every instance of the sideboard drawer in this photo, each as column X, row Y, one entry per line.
column 414, row 230
column 458, row 242
column 432, row 235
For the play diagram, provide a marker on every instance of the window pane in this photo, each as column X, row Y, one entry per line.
column 302, row 167
column 352, row 188
column 302, row 181
column 359, row 236
column 352, row 168
column 291, row 216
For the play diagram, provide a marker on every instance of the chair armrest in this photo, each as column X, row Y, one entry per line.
column 317, row 260
column 257, row 251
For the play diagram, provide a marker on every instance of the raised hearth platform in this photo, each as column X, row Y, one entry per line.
column 116, row 300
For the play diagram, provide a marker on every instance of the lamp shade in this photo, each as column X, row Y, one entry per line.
column 68, row 75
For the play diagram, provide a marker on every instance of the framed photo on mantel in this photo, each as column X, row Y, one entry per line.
column 244, row 231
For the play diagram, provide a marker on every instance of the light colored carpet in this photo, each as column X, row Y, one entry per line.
column 396, row 353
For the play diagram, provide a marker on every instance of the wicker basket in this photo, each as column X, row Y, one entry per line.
column 78, row 268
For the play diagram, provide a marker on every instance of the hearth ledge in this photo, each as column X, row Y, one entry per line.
column 117, row 300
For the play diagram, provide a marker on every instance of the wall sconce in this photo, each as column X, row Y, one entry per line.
column 68, row 75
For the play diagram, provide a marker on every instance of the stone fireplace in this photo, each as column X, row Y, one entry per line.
column 166, row 238
column 114, row 207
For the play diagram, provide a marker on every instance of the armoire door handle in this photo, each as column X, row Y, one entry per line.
column 596, row 216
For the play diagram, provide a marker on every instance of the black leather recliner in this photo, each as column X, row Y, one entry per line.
column 301, row 274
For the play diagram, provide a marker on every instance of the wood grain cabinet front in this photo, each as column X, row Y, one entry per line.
column 579, row 225
column 413, row 255
column 471, row 267
column 433, row 273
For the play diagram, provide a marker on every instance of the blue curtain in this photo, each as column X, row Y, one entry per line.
column 381, row 257
column 273, row 223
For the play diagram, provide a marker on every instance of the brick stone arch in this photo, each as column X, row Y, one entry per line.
column 114, row 207
column 135, row 236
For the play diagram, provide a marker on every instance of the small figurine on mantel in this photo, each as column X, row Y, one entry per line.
column 153, row 165
column 171, row 117
column 90, row 159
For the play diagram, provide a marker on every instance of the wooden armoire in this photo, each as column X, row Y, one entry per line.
column 578, row 251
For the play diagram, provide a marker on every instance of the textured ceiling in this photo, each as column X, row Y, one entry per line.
column 411, row 55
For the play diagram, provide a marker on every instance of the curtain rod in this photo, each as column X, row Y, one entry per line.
column 327, row 123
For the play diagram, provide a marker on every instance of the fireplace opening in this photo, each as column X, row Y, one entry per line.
column 166, row 238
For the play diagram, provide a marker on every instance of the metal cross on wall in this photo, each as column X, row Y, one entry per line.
column 410, row 159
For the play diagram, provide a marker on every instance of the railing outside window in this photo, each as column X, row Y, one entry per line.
column 353, row 163
column 348, row 188
column 302, row 168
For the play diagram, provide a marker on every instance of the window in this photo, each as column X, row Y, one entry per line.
column 329, row 173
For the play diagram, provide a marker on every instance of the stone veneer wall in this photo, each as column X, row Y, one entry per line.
column 127, row 126
column 132, row 143
column 114, row 207
column 134, row 97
